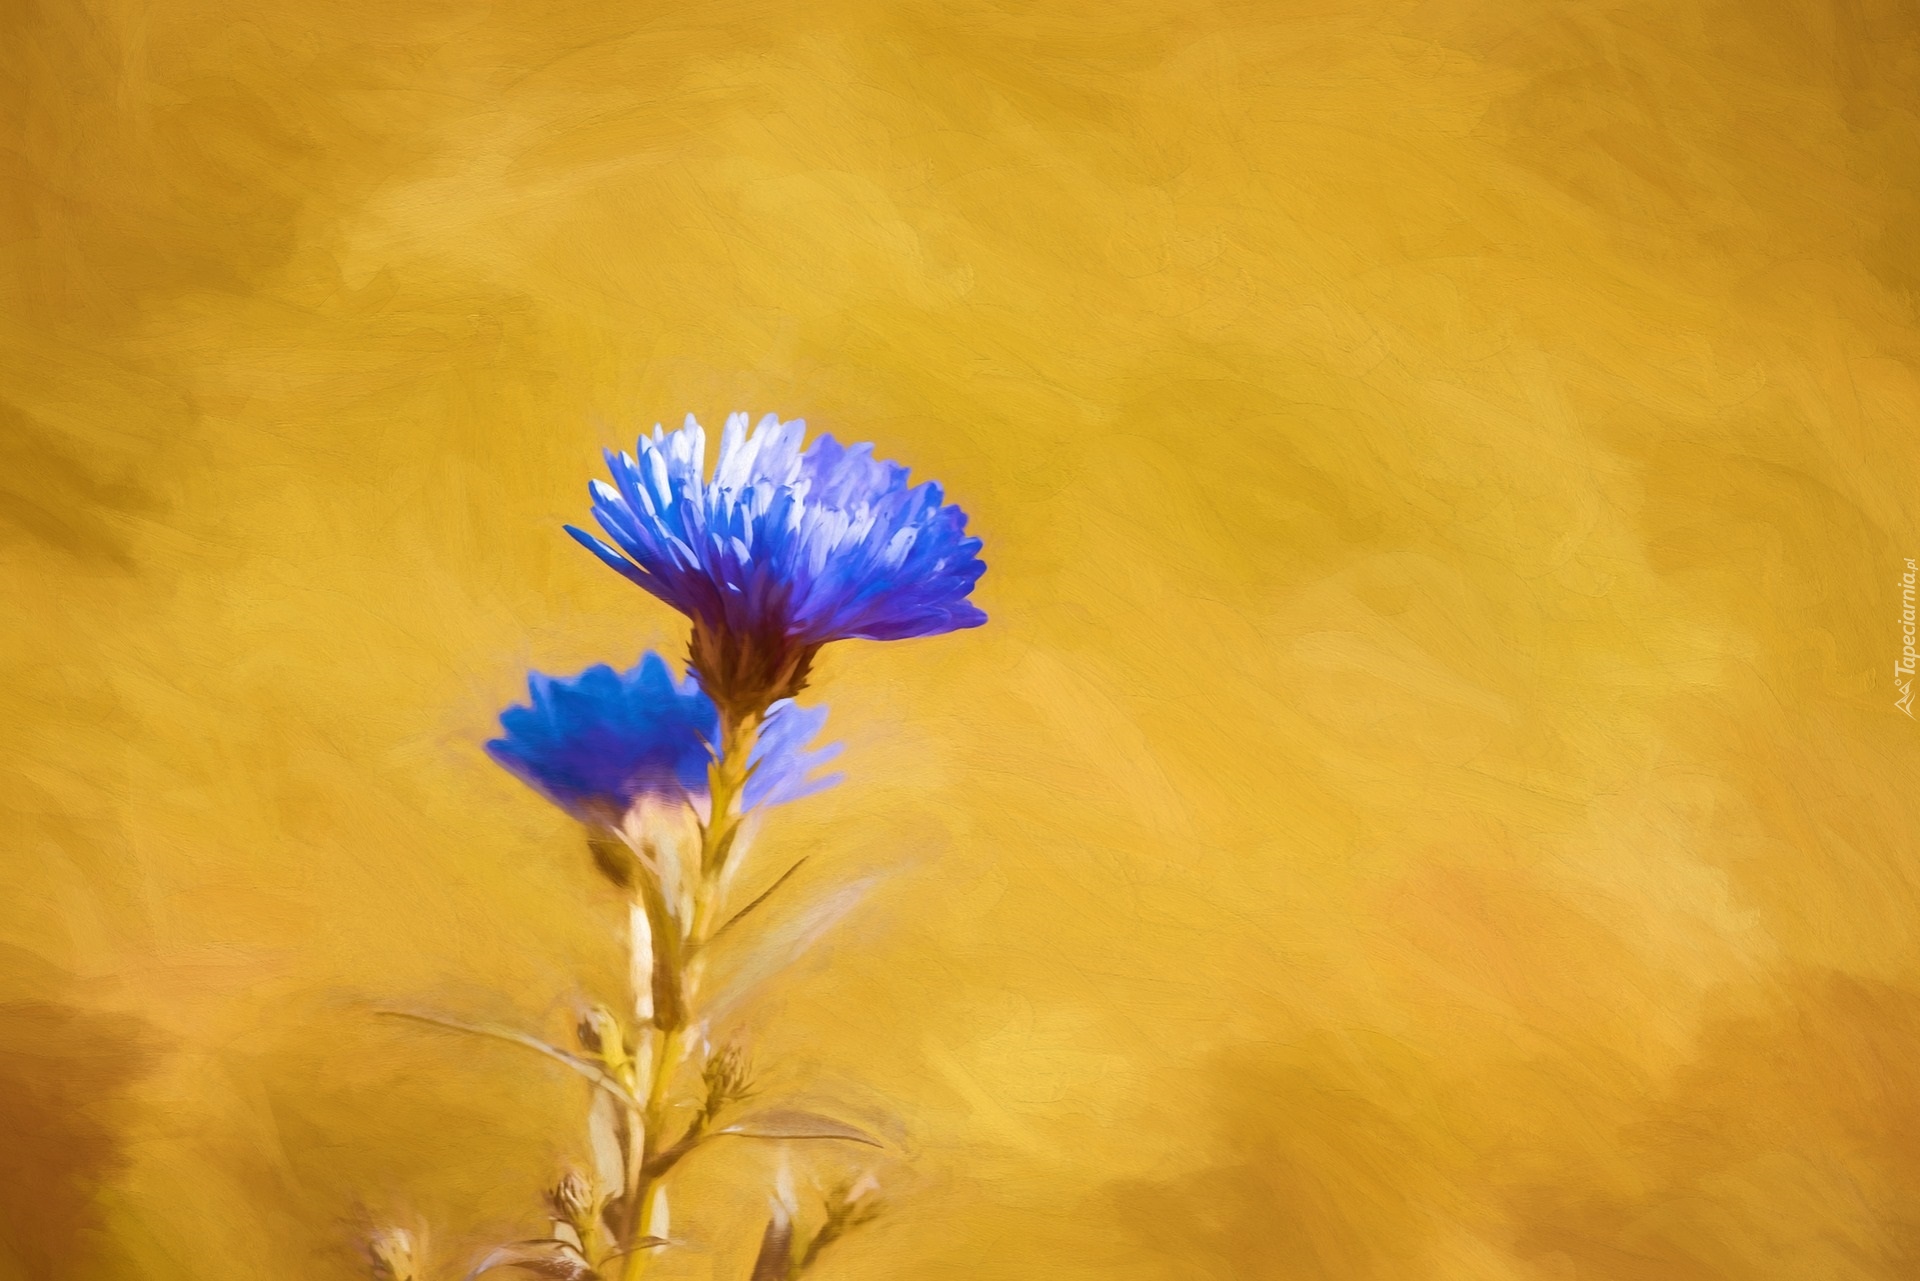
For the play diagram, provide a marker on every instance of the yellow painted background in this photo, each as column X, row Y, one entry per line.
column 1429, row 803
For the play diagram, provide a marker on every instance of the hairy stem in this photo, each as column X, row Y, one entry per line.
column 726, row 779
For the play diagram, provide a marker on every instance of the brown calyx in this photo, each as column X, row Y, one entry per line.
column 745, row 672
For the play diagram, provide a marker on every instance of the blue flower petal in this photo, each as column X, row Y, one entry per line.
column 596, row 742
column 810, row 545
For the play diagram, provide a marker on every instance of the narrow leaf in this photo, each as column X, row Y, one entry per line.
column 589, row 1070
column 667, row 1000
column 615, row 861
column 758, row 899
column 644, row 1243
column 781, row 944
column 791, row 1123
column 775, row 1261
column 603, row 1138
column 659, row 1216
column 640, row 949
column 556, row 1259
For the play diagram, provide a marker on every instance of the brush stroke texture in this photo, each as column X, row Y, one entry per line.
column 1430, row 805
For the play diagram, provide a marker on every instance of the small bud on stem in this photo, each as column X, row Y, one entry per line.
column 573, row 1199
column 727, row 1080
column 392, row 1250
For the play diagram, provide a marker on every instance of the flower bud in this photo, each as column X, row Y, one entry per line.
column 573, row 1198
column 599, row 1033
column 727, row 1079
column 392, row 1251
column 615, row 860
column 589, row 1034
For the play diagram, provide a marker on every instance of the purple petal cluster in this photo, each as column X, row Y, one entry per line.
column 805, row 545
column 596, row 742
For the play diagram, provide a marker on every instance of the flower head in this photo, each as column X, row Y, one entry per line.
column 783, row 550
column 595, row 743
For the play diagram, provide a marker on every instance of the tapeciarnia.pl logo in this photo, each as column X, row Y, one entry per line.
column 1903, row 667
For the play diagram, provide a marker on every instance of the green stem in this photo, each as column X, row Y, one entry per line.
column 726, row 780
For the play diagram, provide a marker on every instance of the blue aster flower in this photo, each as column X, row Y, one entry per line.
column 595, row 743
column 784, row 550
